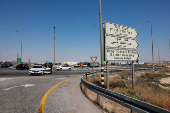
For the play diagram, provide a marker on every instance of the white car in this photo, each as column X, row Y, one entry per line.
column 38, row 69
column 63, row 67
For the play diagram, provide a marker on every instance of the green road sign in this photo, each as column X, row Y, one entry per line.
column 18, row 60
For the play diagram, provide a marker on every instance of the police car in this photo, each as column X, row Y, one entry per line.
column 39, row 69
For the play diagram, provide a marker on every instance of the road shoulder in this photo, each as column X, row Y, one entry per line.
column 68, row 98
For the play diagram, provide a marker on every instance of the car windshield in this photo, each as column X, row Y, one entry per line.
column 37, row 67
column 64, row 66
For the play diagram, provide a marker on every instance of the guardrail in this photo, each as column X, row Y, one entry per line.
column 128, row 102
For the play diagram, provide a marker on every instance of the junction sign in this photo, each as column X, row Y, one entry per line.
column 120, row 42
column 120, row 30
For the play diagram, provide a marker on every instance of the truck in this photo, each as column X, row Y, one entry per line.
column 91, row 64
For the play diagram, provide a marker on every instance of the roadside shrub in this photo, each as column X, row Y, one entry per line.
column 118, row 83
column 166, row 85
column 125, row 74
column 165, row 70
column 153, row 77
column 131, row 92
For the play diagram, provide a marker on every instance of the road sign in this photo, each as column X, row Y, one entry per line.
column 18, row 60
column 121, row 55
column 93, row 59
column 115, row 42
column 119, row 30
column 120, row 43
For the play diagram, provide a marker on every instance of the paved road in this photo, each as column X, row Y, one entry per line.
column 21, row 93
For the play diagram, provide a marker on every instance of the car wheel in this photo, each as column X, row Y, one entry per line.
column 30, row 74
column 60, row 68
column 42, row 73
column 69, row 69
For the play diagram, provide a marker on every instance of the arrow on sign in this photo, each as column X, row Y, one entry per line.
column 115, row 42
column 120, row 30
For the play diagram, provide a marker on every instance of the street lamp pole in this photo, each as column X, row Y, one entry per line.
column 21, row 44
column 169, row 43
column 141, row 57
column 152, row 44
column 158, row 54
column 54, row 47
column 17, row 51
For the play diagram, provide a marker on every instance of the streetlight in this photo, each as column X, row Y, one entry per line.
column 158, row 54
column 17, row 51
column 141, row 57
column 152, row 44
column 21, row 44
column 54, row 47
column 169, row 43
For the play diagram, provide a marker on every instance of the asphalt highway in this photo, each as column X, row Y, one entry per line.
column 21, row 93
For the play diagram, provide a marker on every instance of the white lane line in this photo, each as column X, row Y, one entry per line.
column 3, row 79
column 26, row 85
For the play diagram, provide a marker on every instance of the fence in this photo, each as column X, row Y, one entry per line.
column 131, row 103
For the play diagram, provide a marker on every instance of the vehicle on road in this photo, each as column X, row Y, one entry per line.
column 63, row 67
column 91, row 64
column 39, row 69
column 5, row 64
column 22, row 66
column 11, row 64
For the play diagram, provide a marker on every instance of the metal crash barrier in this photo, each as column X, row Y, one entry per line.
column 128, row 102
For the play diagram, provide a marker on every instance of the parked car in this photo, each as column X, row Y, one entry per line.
column 5, row 64
column 39, row 69
column 63, row 67
column 22, row 66
column 11, row 64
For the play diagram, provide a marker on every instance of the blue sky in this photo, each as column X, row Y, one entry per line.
column 77, row 28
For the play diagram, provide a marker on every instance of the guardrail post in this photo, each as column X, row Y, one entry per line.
column 98, row 98
column 132, row 111
column 86, row 75
column 84, row 90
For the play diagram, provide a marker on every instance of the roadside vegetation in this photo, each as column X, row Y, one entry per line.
column 148, row 87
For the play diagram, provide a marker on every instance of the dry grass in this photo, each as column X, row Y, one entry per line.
column 147, row 89
column 165, row 70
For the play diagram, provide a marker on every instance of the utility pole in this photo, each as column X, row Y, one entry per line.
column 158, row 54
column 21, row 44
column 152, row 46
column 101, row 45
column 54, row 47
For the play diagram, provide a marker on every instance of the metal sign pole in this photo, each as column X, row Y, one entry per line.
column 107, row 75
column 133, row 75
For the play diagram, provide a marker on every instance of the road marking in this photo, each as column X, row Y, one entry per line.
column 42, row 104
column 26, row 85
column 3, row 79
column 60, row 78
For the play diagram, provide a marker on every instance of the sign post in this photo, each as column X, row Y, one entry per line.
column 120, row 44
column 107, row 66
column 93, row 60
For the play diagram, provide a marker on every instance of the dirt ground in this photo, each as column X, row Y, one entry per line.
column 165, row 80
